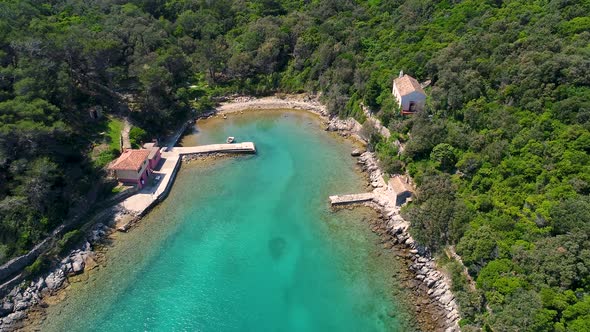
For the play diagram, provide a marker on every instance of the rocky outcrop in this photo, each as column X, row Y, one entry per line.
column 349, row 125
column 13, row 308
column 428, row 281
column 356, row 153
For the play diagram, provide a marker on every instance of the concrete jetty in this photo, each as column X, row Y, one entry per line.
column 156, row 191
column 245, row 147
column 351, row 199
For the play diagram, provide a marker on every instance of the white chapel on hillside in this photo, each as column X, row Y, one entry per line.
column 409, row 94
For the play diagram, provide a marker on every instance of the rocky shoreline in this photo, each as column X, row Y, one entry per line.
column 436, row 309
column 15, row 306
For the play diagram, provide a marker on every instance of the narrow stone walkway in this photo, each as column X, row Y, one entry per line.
column 125, row 134
column 351, row 199
column 246, row 147
column 160, row 182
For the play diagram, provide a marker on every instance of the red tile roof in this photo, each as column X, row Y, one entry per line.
column 131, row 160
column 407, row 84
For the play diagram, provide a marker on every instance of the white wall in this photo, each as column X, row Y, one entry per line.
column 416, row 97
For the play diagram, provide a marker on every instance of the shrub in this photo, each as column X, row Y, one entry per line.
column 40, row 264
column 105, row 157
column 68, row 240
column 136, row 136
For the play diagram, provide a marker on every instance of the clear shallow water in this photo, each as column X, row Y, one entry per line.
column 246, row 244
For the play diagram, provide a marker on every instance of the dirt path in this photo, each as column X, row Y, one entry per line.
column 125, row 133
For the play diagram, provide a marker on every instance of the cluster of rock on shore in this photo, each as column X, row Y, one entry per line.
column 428, row 283
column 343, row 126
column 13, row 309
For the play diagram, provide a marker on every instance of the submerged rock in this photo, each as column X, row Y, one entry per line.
column 277, row 247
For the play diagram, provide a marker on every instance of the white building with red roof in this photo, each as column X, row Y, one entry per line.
column 409, row 94
column 132, row 167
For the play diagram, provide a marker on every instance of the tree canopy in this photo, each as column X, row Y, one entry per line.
column 500, row 154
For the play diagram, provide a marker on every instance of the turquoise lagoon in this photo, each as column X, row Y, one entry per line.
column 247, row 243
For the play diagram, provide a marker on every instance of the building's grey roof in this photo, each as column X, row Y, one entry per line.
column 399, row 185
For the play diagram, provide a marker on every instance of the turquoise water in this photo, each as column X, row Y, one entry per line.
column 246, row 244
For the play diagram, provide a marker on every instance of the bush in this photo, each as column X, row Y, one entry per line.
column 68, row 240
column 444, row 155
column 39, row 265
column 4, row 250
column 137, row 136
column 370, row 134
column 105, row 157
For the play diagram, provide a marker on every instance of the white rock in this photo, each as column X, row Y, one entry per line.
column 21, row 305
column 6, row 308
column 446, row 297
column 438, row 292
column 429, row 282
column 13, row 318
column 77, row 267
column 40, row 284
column 55, row 279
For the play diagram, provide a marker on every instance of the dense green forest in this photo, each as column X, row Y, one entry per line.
column 500, row 155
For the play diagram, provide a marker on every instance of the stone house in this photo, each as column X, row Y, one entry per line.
column 402, row 190
column 133, row 167
column 409, row 94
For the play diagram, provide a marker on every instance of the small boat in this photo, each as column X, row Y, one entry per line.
column 230, row 139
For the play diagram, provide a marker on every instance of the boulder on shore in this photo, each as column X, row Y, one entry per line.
column 55, row 280
column 356, row 153
column 10, row 322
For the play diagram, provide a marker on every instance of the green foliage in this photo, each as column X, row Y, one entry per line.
column 105, row 157
column 500, row 155
column 387, row 152
column 68, row 240
column 443, row 155
column 370, row 133
column 115, row 127
column 438, row 218
column 137, row 136
column 4, row 250
column 38, row 266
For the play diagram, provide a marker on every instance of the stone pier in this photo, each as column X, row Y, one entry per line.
column 351, row 199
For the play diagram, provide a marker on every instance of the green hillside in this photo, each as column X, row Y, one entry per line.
column 500, row 155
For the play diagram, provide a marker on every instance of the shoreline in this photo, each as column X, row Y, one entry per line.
column 430, row 285
column 435, row 303
column 392, row 231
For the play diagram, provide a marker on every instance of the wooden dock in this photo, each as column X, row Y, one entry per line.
column 245, row 147
column 351, row 199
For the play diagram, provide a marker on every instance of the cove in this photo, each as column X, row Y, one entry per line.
column 247, row 243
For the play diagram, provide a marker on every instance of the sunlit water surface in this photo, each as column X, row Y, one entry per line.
column 247, row 243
